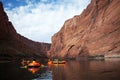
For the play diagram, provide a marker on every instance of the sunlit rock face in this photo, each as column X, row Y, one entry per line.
column 15, row 46
column 95, row 32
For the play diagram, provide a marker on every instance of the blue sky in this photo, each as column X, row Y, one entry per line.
column 39, row 20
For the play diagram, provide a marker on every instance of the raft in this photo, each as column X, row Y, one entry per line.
column 57, row 61
column 34, row 64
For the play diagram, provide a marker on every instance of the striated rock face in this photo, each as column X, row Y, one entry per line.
column 15, row 46
column 95, row 32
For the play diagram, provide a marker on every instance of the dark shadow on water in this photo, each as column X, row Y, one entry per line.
column 72, row 70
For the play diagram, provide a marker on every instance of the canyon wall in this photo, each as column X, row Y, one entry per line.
column 15, row 46
column 95, row 32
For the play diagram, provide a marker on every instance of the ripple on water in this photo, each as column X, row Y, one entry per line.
column 45, row 76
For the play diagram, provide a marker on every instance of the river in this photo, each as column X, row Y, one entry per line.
column 72, row 70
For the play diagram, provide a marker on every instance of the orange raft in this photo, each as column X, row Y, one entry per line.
column 49, row 62
column 33, row 64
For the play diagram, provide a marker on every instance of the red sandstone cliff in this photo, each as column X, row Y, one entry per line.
column 15, row 46
column 95, row 32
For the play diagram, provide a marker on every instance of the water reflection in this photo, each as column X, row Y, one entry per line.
column 69, row 71
column 72, row 70
column 33, row 70
column 87, row 70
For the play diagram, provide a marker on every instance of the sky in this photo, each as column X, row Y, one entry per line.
column 39, row 20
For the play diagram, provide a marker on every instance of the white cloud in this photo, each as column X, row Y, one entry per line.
column 43, row 0
column 40, row 21
column 10, row 4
